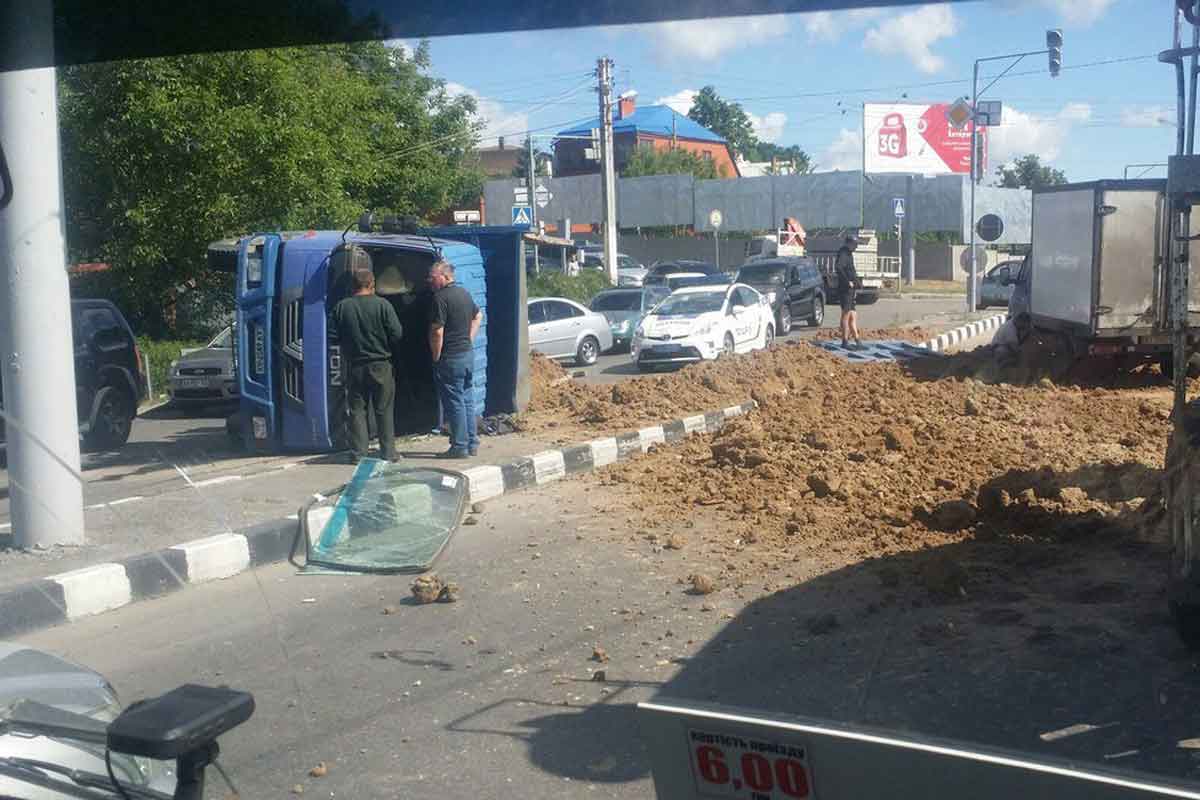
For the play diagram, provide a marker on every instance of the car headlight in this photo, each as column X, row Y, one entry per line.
column 640, row 332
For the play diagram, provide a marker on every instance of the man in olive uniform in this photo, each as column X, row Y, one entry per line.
column 369, row 334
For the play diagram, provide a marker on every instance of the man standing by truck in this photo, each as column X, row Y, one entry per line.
column 453, row 323
column 847, row 287
column 369, row 333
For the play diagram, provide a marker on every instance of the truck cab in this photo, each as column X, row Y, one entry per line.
column 290, row 370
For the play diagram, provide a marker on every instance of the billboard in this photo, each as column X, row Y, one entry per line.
column 916, row 138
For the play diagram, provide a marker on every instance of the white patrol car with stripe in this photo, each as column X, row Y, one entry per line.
column 700, row 323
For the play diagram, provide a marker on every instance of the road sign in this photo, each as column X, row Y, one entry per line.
column 898, row 206
column 522, row 215
column 988, row 112
column 959, row 113
column 964, row 260
column 715, row 219
column 542, row 196
column 466, row 217
column 989, row 227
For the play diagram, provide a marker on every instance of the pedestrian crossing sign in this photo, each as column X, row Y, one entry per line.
column 522, row 215
column 898, row 206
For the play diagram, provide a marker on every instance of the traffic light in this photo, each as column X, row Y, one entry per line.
column 1054, row 43
column 896, row 230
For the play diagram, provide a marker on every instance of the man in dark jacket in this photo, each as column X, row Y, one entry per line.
column 369, row 333
column 453, row 323
column 847, row 286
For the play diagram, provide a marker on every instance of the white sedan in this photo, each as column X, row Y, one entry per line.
column 700, row 323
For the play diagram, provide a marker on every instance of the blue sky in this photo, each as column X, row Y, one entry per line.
column 803, row 77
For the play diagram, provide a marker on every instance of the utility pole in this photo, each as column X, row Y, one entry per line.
column 608, row 179
column 37, row 362
column 530, row 170
column 908, row 247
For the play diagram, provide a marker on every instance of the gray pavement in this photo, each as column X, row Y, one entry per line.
column 494, row 697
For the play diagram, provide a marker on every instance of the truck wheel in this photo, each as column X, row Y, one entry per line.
column 868, row 298
column 113, row 420
column 785, row 319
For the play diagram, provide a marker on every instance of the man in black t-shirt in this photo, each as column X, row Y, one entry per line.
column 368, row 333
column 847, row 285
column 453, row 323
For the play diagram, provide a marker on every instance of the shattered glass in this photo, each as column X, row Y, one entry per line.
column 388, row 518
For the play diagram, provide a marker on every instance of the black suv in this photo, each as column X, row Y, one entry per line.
column 658, row 273
column 109, row 381
column 793, row 286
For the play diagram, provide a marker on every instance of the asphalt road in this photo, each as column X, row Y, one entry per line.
column 495, row 696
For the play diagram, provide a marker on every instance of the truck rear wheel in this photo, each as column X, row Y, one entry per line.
column 868, row 298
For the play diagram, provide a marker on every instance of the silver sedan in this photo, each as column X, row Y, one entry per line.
column 563, row 329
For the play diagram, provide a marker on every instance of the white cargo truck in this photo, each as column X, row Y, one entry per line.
column 1097, row 273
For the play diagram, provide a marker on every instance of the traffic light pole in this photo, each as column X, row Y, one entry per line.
column 37, row 361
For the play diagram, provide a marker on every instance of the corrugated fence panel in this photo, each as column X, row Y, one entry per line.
column 745, row 204
column 821, row 200
column 654, row 200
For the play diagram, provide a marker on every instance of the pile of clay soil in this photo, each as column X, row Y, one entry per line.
column 545, row 375
column 859, row 461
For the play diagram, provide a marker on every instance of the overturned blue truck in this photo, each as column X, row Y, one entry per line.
column 288, row 360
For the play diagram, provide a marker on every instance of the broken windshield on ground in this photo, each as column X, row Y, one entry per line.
column 386, row 519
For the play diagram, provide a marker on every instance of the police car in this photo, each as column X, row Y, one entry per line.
column 700, row 323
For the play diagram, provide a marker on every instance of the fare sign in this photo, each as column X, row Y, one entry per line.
column 915, row 138
column 735, row 766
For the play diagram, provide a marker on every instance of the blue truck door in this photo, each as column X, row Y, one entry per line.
column 257, row 260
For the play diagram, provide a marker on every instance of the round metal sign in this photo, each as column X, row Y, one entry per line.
column 715, row 219
column 980, row 257
column 989, row 227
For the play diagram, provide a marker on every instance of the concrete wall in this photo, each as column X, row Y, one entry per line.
column 647, row 250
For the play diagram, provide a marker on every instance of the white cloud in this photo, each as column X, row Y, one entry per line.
column 1078, row 12
column 769, row 127
column 912, row 33
column 709, row 39
column 1020, row 133
column 844, row 153
column 681, row 101
column 496, row 121
column 827, row 26
column 1147, row 117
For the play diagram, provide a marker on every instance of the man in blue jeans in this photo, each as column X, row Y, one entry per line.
column 453, row 323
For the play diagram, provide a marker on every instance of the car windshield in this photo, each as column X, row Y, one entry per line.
column 690, row 304
column 762, row 273
column 316, row 381
column 617, row 301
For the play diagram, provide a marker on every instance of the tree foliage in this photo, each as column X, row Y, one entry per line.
column 724, row 118
column 1028, row 172
column 648, row 160
column 541, row 159
column 765, row 151
column 162, row 156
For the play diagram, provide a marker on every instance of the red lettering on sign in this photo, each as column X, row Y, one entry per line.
column 711, row 762
column 756, row 771
column 791, row 777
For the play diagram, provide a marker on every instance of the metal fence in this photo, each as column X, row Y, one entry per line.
column 819, row 200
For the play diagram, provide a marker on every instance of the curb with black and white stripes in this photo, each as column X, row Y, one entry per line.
column 105, row 587
column 964, row 333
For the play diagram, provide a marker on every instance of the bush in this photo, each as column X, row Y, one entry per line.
column 581, row 288
column 161, row 353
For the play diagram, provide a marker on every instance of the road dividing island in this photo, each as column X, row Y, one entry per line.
column 964, row 333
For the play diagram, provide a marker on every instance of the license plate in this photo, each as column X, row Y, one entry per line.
column 193, row 383
column 732, row 765
column 669, row 348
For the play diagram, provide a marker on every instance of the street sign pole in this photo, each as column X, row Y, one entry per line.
column 971, row 299
column 530, row 170
column 715, row 219
column 37, row 364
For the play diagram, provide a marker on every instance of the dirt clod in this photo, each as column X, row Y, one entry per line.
column 702, row 584
column 675, row 542
column 320, row 770
column 599, row 654
column 953, row 515
column 426, row 588
column 898, row 439
column 449, row 593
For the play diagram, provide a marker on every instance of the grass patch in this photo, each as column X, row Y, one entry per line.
column 161, row 353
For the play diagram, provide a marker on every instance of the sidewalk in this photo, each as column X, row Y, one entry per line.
column 228, row 503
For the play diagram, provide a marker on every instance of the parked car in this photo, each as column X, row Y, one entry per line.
column 109, row 378
column 205, row 375
column 629, row 271
column 703, row 323
column 561, row 328
column 657, row 273
column 681, row 280
column 997, row 284
column 624, row 309
column 792, row 285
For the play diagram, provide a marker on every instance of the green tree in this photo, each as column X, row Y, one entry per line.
column 162, row 156
column 724, row 118
column 1028, row 172
column 540, row 157
column 647, row 160
column 765, row 151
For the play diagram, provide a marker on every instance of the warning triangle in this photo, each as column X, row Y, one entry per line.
column 521, row 217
